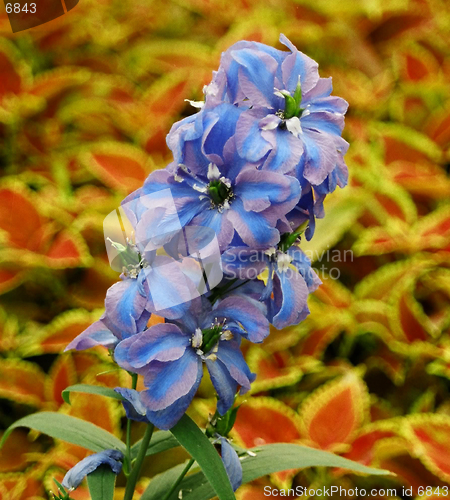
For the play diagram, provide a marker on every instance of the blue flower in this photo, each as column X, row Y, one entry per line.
column 290, row 118
column 290, row 279
column 213, row 186
column 171, row 356
column 76, row 474
column 150, row 283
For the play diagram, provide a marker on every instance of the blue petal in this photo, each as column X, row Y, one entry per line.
column 287, row 150
column 298, row 64
column 249, row 141
column 232, row 463
column 125, row 304
column 217, row 221
column 76, row 474
column 97, row 334
column 219, row 126
column 259, row 189
column 134, row 409
column 256, row 75
column 231, row 356
column 170, row 290
column 168, row 382
column 303, row 264
column 224, row 384
column 163, row 342
column 247, row 313
column 291, row 295
column 321, row 155
column 255, row 229
column 168, row 417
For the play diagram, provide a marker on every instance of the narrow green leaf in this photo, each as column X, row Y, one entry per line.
column 101, row 483
column 70, row 429
column 90, row 389
column 203, row 452
column 161, row 441
column 161, row 484
column 274, row 458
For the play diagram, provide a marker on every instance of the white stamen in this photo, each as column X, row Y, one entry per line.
column 283, row 262
column 200, row 189
column 178, row 178
column 271, row 251
column 225, row 181
column 226, row 205
column 226, row 335
column 197, row 338
column 213, row 172
column 294, row 127
column 195, row 104
column 307, row 112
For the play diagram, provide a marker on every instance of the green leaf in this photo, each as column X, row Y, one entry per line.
column 90, row 389
column 101, row 483
column 70, row 429
column 203, row 452
column 161, row 484
column 161, row 441
column 274, row 458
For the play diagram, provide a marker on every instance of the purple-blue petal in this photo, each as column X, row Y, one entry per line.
column 244, row 317
column 231, row 463
column 96, row 334
column 168, row 382
column 291, row 295
column 76, row 474
column 231, row 356
column 132, row 404
column 224, row 384
column 163, row 342
column 125, row 302
column 165, row 419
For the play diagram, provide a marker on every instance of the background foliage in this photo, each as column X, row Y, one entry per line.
column 85, row 104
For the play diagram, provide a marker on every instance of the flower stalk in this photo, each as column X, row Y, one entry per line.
column 136, row 470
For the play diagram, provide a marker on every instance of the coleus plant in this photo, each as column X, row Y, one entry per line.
column 253, row 167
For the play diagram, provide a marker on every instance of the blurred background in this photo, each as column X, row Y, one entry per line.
column 85, row 103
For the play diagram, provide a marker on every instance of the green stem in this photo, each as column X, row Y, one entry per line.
column 180, row 478
column 127, row 468
column 136, row 470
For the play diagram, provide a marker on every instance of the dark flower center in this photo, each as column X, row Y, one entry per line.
column 219, row 193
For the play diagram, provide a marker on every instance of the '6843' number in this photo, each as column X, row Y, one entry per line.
column 16, row 8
